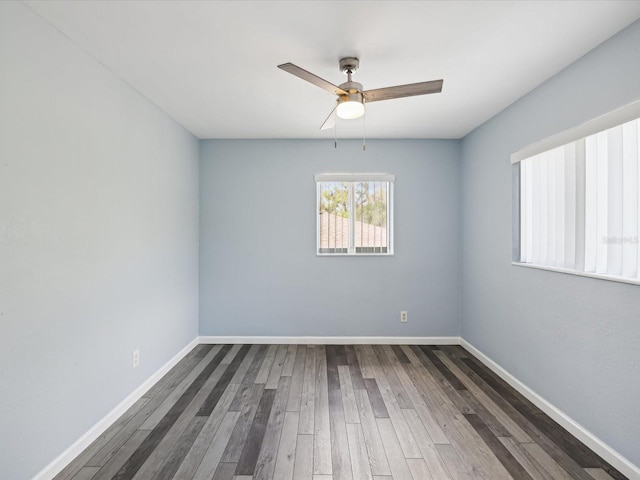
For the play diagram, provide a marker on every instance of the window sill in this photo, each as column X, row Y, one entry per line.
column 354, row 254
column 599, row 276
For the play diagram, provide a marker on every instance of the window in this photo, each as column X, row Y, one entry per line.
column 354, row 214
column 576, row 205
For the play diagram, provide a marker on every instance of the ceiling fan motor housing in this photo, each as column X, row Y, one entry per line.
column 349, row 64
column 351, row 87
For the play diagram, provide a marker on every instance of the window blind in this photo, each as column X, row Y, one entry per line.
column 579, row 204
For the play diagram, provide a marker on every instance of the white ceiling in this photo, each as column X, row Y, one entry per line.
column 212, row 65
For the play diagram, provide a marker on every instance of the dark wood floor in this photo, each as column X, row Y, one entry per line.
column 334, row 412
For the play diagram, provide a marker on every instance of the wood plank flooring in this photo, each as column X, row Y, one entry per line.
column 334, row 412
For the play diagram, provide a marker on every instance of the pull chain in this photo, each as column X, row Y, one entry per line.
column 364, row 129
column 335, row 133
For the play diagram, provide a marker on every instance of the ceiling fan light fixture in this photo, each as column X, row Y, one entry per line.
column 350, row 106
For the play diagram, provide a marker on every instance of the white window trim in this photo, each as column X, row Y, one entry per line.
column 619, row 116
column 598, row 276
column 359, row 177
column 354, row 177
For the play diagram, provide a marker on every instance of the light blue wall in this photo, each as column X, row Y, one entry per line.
column 98, row 241
column 574, row 340
column 259, row 273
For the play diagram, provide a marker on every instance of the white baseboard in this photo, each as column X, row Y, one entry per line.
column 625, row 466
column 334, row 340
column 56, row 465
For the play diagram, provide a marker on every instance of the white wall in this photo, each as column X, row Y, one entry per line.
column 573, row 340
column 98, row 241
column 259, row 274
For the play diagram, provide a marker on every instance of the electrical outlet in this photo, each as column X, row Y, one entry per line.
column 136, row 358
column 404, row 316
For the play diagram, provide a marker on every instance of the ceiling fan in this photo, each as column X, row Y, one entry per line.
column 352, row 97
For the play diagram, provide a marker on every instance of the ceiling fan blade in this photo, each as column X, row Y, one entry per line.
column 399, row 91
column 311, row 78
column 330, row 121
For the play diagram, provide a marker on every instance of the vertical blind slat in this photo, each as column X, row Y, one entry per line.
column 552, row 208
column 529, row 211
column 536, row 192
column 630, row 199
column 637, row 240
column 374, row 217
column 320, row 218
column 602, row 194
column 569, row 210
column 524, row 240
column 560, row 226
column 614, row 202
column 544, row 209
column 591, row 210
column 579, row 150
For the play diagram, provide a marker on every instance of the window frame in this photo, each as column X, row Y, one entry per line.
column 613, row 119
column 352, row 179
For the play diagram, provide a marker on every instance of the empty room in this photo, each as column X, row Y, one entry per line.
column 319, row 240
